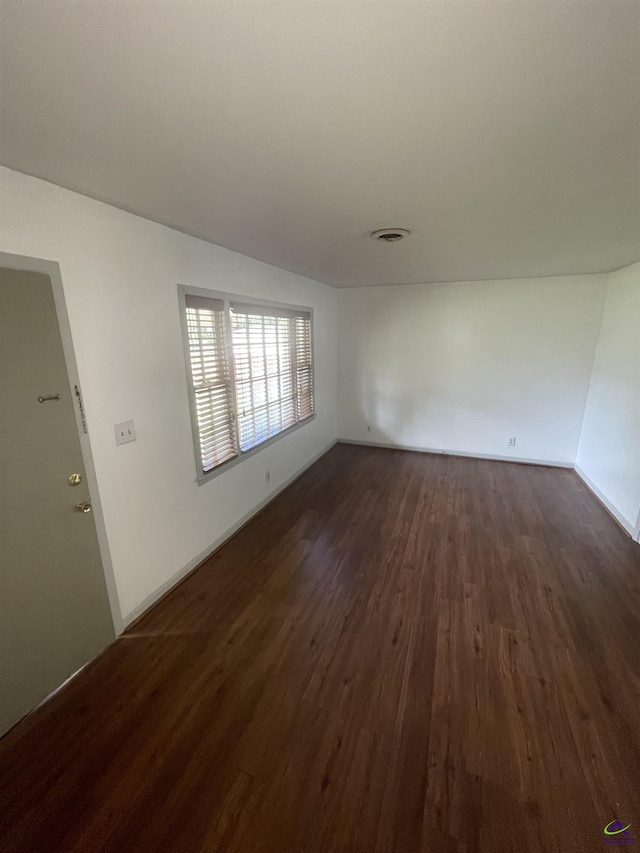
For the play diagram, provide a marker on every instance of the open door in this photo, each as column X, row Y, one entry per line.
column 54, row 607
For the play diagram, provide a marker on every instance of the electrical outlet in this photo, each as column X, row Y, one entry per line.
column 267, row 476
column 125, row 432
column 368, row 429
column 511, row 442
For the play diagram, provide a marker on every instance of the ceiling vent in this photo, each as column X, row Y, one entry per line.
column 390, row 235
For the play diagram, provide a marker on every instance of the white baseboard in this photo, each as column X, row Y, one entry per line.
column 523, row 460
column 150, row 600
column 606, row 503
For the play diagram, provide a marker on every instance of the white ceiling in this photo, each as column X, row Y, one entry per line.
column 505, row 135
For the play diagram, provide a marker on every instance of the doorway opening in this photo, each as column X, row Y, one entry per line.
column 58, row 603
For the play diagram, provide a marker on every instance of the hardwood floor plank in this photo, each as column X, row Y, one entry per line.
column 402, row 652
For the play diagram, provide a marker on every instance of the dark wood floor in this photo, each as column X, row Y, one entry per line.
column 403, row 652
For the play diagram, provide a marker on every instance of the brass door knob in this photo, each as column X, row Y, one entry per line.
column 83, row 507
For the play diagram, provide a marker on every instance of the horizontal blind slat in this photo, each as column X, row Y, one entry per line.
column 267, row 311
column 206, row 303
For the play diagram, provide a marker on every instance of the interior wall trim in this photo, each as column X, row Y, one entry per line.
column 52, row 269
column 522, row 460
column 606, row 503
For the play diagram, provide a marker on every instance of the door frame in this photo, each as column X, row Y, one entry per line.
column 52, row 269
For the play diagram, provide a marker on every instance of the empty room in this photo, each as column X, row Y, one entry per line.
column 319, row 426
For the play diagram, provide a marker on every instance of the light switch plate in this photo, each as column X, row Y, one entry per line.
column 125, row 432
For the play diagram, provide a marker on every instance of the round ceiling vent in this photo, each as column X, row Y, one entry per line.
column 390, row 235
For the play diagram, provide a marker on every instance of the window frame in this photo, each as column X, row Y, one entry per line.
column 227, row 298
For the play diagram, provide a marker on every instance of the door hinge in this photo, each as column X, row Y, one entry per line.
column 83, row 420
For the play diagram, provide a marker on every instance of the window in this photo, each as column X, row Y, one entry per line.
column 250, row 372
column 211, row 379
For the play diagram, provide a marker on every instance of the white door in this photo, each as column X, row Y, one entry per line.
column 54, row 608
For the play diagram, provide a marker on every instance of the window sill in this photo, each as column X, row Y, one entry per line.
column 210, row 475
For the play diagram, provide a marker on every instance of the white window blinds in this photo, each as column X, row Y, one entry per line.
column 273, row 375
column 213, row 395
column 252, row 374
column 304, row 366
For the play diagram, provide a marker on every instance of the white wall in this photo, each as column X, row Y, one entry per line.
column 462, row 367
column 120, row 275
column 609, row 451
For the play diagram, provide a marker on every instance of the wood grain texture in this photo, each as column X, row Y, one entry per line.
column 403, row 652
